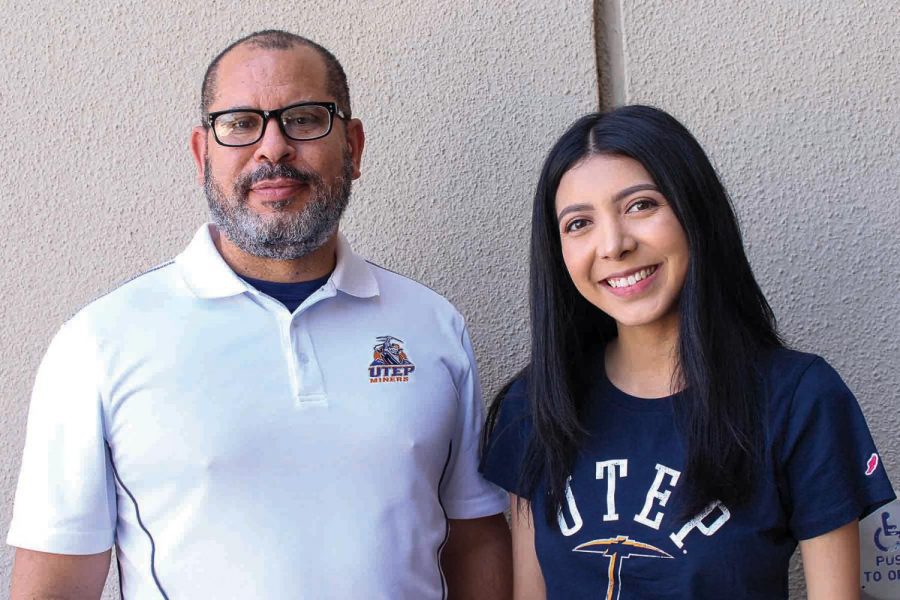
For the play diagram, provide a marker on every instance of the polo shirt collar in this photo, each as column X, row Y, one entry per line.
column 209, row 276
column 205, row 271
column 352, row 273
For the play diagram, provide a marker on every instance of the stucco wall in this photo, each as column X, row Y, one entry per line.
column 797, row 106
column 460, row 100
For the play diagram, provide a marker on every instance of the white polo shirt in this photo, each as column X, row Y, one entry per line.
column 231, row 449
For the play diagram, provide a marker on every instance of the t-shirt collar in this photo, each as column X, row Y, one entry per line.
column 208, row 275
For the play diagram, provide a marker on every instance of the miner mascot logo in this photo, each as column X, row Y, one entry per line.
column 390, row 364
column 617, row 549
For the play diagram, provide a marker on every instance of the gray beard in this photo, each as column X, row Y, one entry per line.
column 283, row 235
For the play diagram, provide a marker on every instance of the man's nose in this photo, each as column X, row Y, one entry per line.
column 274, row 146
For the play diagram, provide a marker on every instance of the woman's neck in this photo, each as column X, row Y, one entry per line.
column 641, row 361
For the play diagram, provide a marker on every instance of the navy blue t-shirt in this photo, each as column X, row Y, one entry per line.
column 621, row 533
column 291, row 295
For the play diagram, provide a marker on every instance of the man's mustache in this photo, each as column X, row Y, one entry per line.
column 278, row 171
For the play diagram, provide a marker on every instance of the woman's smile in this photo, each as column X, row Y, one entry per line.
column 633, row 282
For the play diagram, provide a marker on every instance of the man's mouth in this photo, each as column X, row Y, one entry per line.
column 277, row 190
column 272, row 180
column 280, row 182
column 631, row 279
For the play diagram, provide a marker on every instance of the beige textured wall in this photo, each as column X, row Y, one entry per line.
column 460, row 99
column 798, row 103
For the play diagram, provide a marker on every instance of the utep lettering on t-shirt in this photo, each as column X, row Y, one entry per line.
column 651, row 514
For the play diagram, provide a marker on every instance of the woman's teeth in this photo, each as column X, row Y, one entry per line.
column 619, row 282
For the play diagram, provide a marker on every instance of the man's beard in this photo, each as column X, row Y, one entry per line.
column 282, row 235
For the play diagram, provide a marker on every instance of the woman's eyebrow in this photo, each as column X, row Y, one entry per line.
column 640, row 187
column 635, row 188
column 572, row 208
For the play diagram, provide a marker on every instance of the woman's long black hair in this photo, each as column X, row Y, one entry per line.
column 725, row 321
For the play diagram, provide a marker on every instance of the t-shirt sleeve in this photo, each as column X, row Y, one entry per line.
column 833, row 471
column 65, row 500
column 465, row 494
column 505, row 449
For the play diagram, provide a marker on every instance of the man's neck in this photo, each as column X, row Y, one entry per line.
column 314, row 265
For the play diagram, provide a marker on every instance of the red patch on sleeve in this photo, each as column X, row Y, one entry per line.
column 872, row 464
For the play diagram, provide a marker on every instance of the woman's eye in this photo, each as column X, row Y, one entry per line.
column 641, row 205
column 576, row 224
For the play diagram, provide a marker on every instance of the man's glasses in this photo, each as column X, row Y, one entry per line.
column 300, row 122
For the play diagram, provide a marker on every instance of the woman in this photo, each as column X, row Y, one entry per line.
column 662, row 442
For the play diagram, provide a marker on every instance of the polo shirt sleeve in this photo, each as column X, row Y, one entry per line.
column 65, row 500
column 508, row 441
column 833, row 472
column 465, row 494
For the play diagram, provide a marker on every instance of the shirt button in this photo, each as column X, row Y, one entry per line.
column 303, row 359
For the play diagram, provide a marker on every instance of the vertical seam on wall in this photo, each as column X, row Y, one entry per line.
column 609, row 53
column 622, row 63
column 598, row 53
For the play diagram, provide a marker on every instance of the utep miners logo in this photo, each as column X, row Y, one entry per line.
column 617, row 549
column 390, row 364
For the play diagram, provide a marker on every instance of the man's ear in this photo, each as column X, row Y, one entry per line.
column 199, row 136
column 356, row 140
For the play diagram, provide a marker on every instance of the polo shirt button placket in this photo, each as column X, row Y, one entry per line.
column 310, row 389
column 285, row 323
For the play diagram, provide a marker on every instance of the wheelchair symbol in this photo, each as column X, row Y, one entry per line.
column 887, row 529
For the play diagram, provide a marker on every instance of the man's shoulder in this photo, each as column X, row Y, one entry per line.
column 402, row 289
column 144, row 289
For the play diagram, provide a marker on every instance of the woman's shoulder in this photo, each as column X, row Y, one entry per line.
column 785, row 360
column 513, row 398
column 804, row 392
column 826, row 460
column 508, row 430
column 786, row 372
column 801, row 389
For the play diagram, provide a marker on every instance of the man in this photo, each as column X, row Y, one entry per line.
column 268, row 415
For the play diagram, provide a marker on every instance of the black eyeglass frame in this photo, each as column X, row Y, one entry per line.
column 331, row 107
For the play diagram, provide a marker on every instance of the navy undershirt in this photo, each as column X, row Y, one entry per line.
column 291, row 295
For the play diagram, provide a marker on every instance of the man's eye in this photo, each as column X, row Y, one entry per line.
column 304, row 119
column 238, row 123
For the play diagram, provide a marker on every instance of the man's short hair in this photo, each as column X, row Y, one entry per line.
column 276, row 39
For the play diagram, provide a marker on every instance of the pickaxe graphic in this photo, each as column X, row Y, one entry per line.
column 618, row 549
